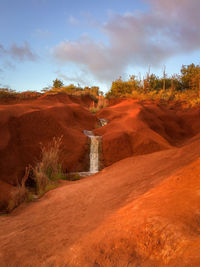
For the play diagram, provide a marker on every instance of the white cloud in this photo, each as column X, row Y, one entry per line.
column 138, row 39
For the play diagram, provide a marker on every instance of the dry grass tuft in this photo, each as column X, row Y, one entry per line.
column 49, row 169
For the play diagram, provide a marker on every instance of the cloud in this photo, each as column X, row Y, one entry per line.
column 21, row 53
column 84, row 52
column 168, row 28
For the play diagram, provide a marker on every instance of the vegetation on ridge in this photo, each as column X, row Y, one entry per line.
column 184, row 87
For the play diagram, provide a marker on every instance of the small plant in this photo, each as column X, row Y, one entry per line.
column 49, row 169
column 94, row 109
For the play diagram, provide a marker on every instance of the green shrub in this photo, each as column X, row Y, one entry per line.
column 94, row 109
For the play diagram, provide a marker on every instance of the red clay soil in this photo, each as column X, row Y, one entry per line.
column 24, row 126
column 141, row 211
column 137, row 128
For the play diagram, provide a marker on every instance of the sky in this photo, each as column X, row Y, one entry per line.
column 92, row 42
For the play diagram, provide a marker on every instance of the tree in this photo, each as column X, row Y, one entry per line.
column 190, row 76
column 57, row 83
column 155, row 83
column 122, row 88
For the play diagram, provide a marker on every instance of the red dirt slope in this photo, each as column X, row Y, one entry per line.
column 24, row 126
column 137, row 212
column 160, row 228
column 137, row 128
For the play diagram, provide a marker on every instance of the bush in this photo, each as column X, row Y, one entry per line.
column 7, row 93
column 57, row 83
column 49, row 169
column 12, row 94
column 94, row 109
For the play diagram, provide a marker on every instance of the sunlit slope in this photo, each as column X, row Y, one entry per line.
column 141, row 127
column 141, row 210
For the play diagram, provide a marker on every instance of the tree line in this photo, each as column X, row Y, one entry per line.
column 189, row 79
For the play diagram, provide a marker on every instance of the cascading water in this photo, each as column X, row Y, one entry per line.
column 94, row 151
column 95, row 142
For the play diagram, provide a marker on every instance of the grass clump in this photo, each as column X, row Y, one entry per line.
column 94, row 110
column 48, row 170
column 45, row 175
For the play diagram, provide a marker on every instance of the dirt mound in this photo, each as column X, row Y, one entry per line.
column 160, row 228
column 24, row 126
column 137, row 128
column 135, row 212
column 84, row 100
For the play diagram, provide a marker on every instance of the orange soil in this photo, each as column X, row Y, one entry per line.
column 137, row 128
column 25, row 126
column 140, row 211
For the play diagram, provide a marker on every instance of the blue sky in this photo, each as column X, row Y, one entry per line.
column 94, row 42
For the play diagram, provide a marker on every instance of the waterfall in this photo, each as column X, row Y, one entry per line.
column 94, row 153
column 95, row 142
